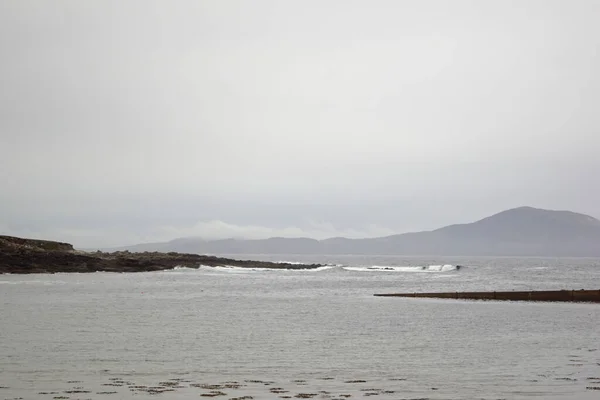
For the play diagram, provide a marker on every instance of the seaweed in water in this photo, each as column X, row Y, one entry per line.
column 214, row 394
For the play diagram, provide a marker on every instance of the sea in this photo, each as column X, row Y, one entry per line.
column 242, row 334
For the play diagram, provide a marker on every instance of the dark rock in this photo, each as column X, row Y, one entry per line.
column 28, row 256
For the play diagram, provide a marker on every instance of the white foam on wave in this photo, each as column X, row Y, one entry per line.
column 443, row 268
column 390, row 268
column 334, row 267
column 234, row 269
column 323, row 268
column 288, row 262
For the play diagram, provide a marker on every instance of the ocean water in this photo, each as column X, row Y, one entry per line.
column 238, row 334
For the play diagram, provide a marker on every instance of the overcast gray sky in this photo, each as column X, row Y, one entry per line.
column 133, row 121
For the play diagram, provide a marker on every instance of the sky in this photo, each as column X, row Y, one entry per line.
column 144, row 121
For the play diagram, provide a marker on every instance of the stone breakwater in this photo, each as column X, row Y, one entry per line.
column 32, row 256
column 577, row 296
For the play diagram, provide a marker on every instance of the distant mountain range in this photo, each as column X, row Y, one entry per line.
column 523, row 231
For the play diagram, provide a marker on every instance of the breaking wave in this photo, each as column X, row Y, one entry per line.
column 389, row 268
column 335, row 268
column 234, row 269
column 288, row 262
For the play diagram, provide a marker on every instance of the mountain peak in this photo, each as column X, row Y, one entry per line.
column 521, row 231
column 527, row 213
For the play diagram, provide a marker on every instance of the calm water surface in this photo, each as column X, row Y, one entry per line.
column 231, row 333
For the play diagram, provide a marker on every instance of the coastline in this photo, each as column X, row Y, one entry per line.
column 33, row 256
column 573, row 296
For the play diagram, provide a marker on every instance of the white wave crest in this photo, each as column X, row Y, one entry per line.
column 332, row 267
column 443, row 268
column 288, row 262
column 233, row 269
column 389, row 268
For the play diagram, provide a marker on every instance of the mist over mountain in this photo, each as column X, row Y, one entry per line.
column 523, row 231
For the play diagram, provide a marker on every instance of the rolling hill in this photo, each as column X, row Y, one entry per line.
column 523, row 231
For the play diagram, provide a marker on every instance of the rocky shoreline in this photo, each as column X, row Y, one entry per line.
column 32, row 256
column 574, row 296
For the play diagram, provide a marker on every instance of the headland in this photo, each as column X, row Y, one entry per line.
column 31, row 256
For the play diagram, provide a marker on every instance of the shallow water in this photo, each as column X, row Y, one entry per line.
column 273, row 334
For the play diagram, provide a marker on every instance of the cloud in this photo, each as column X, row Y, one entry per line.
column 217, row 229
column 136, row 122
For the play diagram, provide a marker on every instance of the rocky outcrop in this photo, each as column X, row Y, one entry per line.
column 7, row 242
column 576, row 296
column 27, row 256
